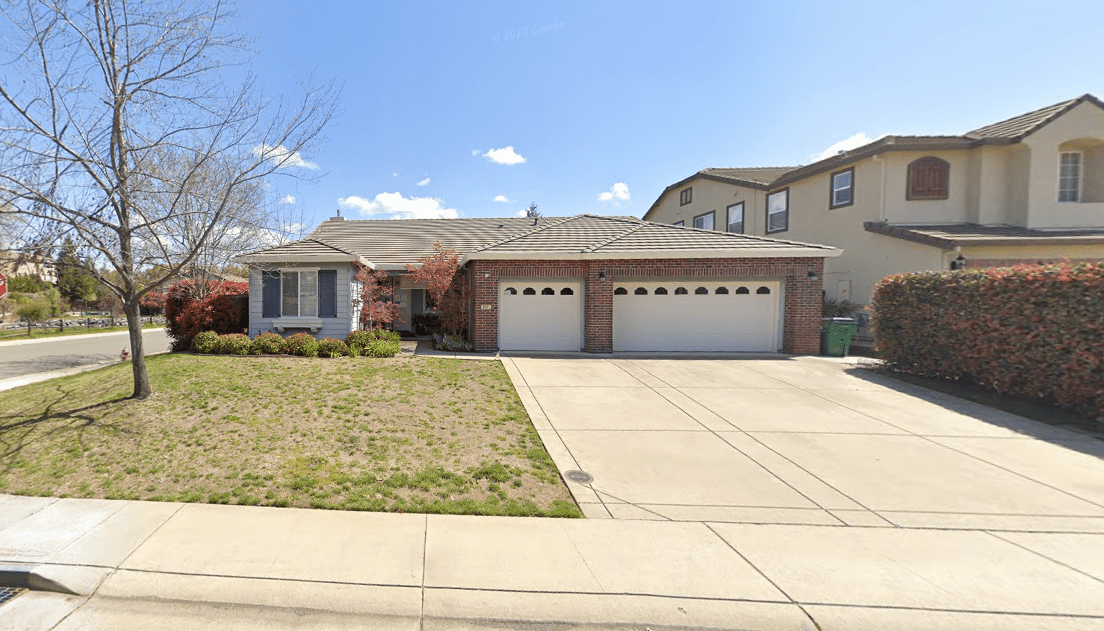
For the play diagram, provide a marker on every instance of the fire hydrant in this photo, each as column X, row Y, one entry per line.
column 125, row 355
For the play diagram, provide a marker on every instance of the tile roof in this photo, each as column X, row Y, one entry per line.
column 949, row 236
column 592, row 236
column 1017, row 127
column 752, row 175
column 390, row 244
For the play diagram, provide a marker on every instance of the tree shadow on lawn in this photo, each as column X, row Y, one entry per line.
column 18, row 431
column 1051, row 424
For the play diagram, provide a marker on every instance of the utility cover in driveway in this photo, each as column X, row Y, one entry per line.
column 539, row 316
column 692, row 315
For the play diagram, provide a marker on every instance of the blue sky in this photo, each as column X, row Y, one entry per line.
column 609, row 102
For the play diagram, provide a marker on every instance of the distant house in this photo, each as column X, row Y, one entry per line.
column 1027, row 189
column 16, row 263
column 590, row 283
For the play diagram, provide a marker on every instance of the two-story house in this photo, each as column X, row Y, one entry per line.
column 1027, row 189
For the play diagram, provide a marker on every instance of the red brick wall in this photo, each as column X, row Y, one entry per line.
column 801, row 330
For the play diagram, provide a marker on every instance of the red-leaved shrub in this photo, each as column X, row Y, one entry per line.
column 1033, row 331
column 192, row 307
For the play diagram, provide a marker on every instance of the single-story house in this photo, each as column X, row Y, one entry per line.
column 591, row 283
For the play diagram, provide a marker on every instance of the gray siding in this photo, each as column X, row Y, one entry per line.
column 337, row 327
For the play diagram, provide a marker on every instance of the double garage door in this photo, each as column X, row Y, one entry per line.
column 647, row 316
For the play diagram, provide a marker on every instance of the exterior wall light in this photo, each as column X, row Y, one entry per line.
column 959, row 263
column 812, row 275
column 601, row 276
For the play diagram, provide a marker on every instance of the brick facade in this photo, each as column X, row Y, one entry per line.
column 800, row 314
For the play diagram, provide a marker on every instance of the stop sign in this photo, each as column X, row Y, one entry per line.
column 3, row 285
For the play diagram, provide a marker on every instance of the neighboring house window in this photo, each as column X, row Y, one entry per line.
column 736, row 218
column 680, row 223
column 705, row 222
column 778, row 211
column 686, row 196
column 300, row 294
column 928, row 179
column 1069, row 176
column 843, row 188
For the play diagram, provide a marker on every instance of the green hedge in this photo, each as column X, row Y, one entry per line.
column 375, row 343
column 1032, row 331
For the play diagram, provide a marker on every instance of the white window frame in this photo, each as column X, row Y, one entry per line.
column 298, row 271
column 728, row 217
column 784, row 210
column 1062, row 178
column 712, row 220
column 836, row 190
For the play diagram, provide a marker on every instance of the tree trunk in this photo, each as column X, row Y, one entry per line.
column 137, row 353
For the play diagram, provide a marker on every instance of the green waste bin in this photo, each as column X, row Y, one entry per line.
column 836, row 334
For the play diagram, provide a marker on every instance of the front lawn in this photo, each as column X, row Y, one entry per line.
column 401, row 434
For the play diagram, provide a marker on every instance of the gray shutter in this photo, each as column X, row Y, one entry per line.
column 270, row 294
column 327, row 293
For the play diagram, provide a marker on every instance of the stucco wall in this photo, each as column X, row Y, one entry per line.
column 708, row 196
column 337, row 327
column 1080, row 128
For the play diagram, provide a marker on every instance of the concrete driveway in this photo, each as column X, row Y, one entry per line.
column 803, row 441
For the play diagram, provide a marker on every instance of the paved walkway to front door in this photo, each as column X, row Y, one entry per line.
column 809, row 441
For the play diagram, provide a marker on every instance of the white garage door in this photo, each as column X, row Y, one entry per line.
column 539, row 316
column 696, row 316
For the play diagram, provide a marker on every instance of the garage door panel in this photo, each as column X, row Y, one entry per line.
column 693, row 321
column 539, row 316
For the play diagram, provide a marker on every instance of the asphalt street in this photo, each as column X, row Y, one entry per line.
column 22, row 358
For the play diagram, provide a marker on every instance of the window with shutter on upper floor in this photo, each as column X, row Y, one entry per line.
column 928, row 178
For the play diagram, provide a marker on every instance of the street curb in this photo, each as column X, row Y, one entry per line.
column 56, row 338
column 25, row 380
column 28, row 577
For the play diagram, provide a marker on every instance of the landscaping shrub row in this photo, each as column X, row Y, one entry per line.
column 374, row 343
column 1032, row 331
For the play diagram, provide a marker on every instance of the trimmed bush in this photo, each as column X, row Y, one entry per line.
column 1031, row 331
column 267, row 344
column 332, row 347
column 206, row 342
column 194, row 306
column 234, row 344
column 381, row 348
column 358, row 341
column 301, row 344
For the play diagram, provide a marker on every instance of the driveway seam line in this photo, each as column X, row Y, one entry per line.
column 1037, row 553
column 733, row 447
column 555, row 430
column 623, row 501
column 761, row 573
column 929, row 438
column 148, row 537
column 98, row 524
column 425, row 558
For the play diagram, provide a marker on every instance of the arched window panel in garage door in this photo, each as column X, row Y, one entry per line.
column 700, row 316
column 544, row 316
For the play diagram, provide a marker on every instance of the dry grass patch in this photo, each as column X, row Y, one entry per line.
column 401, row 434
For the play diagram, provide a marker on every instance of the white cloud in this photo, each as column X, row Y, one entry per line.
column 523, row 213
column 394, row 175
column 424, row 182
column 501, row 199
column 505, row 155
column 287, row 199
column 619, row 191
column 846, row 144
column 283, row 157
column 395, row 206
column 476, row 152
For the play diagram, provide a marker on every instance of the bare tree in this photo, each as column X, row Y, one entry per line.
column 120, row 127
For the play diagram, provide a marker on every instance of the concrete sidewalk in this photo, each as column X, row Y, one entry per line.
column 141, row 565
